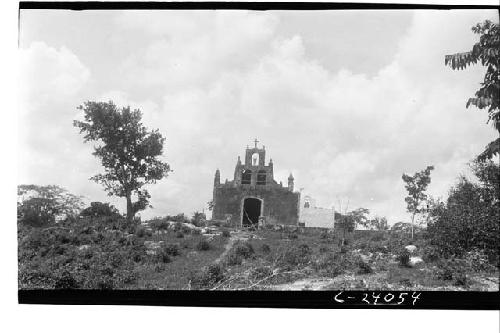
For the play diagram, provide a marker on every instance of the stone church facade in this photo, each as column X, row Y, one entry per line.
column 253, row 195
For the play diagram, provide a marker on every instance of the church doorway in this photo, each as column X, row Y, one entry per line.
column 252, row 208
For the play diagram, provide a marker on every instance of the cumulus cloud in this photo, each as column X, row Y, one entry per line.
column 212, row 81
column 50, row 79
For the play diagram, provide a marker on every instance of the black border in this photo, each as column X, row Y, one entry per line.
column 449, row 300
column 446, row 300
column 205, row 5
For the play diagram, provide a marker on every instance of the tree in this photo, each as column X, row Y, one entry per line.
column 198, row 218
column 378, row 223
column 100, row 209
column 40, row 205
column 486, row 51
column 347, row 222
column 469, row 218
column 359, row 216
column 416, row 186
column 128, row 152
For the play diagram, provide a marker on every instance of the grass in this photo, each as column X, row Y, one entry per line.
column 118, row 258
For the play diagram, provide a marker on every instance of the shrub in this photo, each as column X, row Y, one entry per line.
column 453, row 270
column 171, row 249
column 261, row 272
column 240, row 251
column 64, row 280
column 266, row 249
column 468, row 219
column 162, row 256
column 195, row 231
column 233, row 259
column 431, row 254
column 178, row 226
column 143, row 232
column 404, row 258
column 207, row 277
column 203, row 245
column 100, row 209
column 477, row 261
column 329, row 265
column 159, row 225
column 244, row 249
column 226, row 233
column 323, row 249
column 159, row 268
column 364, row 268
column 294, row 256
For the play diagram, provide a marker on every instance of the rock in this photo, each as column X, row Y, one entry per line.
column 411, row 248
column 415, row 261
column 151, row 245
column 364, row 258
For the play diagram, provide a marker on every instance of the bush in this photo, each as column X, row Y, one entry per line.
column 207, row 277
column 431, row 254
column 233, row 259
column 266, row 249
column 261, row 272
column 159, row 225
column 100, row 209
column 226, row 233
column 453, row 270
column 203, row 245
column 404, row 258
column 330, row 264
column 162, row 256
column 478, row 261
column 171, row 249
column 364, row 268
column 468, row 219
column 239, row 252
column 142, row 232
column 244, row 249
column 293, row 256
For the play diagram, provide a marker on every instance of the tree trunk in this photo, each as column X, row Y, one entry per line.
column 130, row 211
column 412, row 222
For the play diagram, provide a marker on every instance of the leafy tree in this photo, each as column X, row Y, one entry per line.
column 40, row 205
column 100, row 209
column 470, row 217
column 402, row 227
column 378, row 223
column 359, row 216
column 487, row 52
column 198, row 218
column 416, row 186
column 346, row 223
column 128, row 152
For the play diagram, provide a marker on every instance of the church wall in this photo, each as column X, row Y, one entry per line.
column 280, row 205
column 316, row 217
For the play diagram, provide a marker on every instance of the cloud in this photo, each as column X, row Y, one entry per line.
column 48, row 74
column 213, row 81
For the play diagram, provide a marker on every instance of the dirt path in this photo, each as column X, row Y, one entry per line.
column 236, row 236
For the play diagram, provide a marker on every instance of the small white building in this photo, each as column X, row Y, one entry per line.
column 312, row 216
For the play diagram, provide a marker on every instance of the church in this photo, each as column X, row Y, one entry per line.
column 253, row 195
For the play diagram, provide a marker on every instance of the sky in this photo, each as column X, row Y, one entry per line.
column 347, row 101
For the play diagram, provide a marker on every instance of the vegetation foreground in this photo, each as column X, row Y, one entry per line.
column 173, row 253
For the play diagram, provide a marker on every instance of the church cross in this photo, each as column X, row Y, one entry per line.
column 255, row 141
